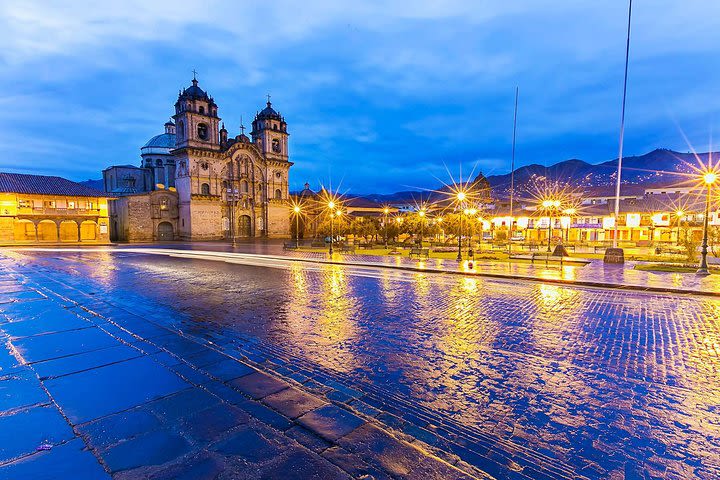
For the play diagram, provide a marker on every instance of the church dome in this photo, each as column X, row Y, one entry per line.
column 268, row 113
column 159, row 144
column 194, row 92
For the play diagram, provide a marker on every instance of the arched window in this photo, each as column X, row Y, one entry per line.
column 158, row 162
column 202, row 110
column 180, row 130
column 243, row 187
column 202, row 131
column 205, row 189
column 278, row 194
column 274, row 126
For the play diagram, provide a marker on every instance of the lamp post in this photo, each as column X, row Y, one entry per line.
column 421, row 213
column 331, row 206
column 709, row 178
column 385, row 224
column 679, row 214
column 296, row 209
column 569, row 212
column 460, row 196
column 549, row 206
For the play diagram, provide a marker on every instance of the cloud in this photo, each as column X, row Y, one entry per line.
column 382, row 93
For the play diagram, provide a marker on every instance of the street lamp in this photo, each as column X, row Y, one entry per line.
column 709, row 178
column 421, row 213
column 331, row 206
column 569, row 212
column 297, row 210
column 386, row 211
column 679, row 214
column 549, row 206
column 460, row 196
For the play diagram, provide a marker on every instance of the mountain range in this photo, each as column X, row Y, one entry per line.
column 659, row 167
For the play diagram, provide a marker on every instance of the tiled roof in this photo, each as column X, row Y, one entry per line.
column 44, row 185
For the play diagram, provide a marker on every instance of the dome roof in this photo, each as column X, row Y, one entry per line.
column 194, row 91
column 268, row 113
column 159, row 144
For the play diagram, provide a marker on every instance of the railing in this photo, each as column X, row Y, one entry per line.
column 94, row 212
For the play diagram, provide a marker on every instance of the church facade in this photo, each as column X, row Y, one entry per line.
column 195, row 182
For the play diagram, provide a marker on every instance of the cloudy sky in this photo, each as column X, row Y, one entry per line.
column 380, row 96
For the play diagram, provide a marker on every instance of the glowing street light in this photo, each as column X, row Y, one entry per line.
column 421, row 214
column 331, row 207
column 386, row 211
column 297, row 210
column 679, row 214
column 550, row 205
column 460, row 196
column 709, row 178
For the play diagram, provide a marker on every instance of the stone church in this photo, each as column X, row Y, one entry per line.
column 197, row 183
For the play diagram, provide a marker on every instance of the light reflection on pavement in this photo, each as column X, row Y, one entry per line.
column 610, row 383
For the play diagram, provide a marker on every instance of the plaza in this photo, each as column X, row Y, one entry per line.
column 277, row 364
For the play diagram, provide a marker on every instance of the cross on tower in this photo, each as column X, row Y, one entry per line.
column 242, row 127
column 268, row 97
column 194, row 74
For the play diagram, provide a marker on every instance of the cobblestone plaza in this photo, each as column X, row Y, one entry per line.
column 458, row 376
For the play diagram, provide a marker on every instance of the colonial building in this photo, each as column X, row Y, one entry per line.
column 45, row 209
column 195, row 182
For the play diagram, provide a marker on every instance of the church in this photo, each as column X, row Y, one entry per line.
column 195, row 182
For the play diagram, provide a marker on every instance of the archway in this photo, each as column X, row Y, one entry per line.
column 165, row 231
column 47, row 231
column 68, row 231
column 24, row 231
column 245, row 229
column 88, row 231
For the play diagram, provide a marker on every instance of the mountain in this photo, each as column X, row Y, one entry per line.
column 96, row 184
column 659, row 167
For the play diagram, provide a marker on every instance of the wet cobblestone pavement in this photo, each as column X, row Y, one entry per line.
column 519, row 379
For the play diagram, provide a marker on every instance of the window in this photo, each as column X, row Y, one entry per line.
column 71, row 205
column 24, row 204
column 158, row 162
column 180, row 130
column 202, row 131
column 202, row 110
column 278, row 194
column 244, row 187
column 163, row 204
column 205, row 189
column 90, row 206
column 50, row 204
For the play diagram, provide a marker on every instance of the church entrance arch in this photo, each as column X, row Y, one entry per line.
column 165, row 231
column 245, row 229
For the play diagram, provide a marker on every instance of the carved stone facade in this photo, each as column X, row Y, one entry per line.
column 222, row 187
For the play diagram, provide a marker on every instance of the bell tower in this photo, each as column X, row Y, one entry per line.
column 269, row 133
column 196, row 119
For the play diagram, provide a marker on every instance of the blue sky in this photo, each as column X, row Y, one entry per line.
column 380, row 96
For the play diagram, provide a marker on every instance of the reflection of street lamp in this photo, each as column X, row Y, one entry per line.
column 385, row 224
column 331, row 206
column 679, row 214
column 296, row 209
column 709, row 179
column 460, row 196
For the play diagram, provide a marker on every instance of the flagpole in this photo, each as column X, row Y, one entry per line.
column 512, row 171
column 622, row 131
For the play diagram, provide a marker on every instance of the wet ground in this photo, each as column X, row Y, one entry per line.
column 508, row 375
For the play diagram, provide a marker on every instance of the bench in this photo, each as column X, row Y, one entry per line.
column 290, row 246
column 419, row 252
column 599, row 248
